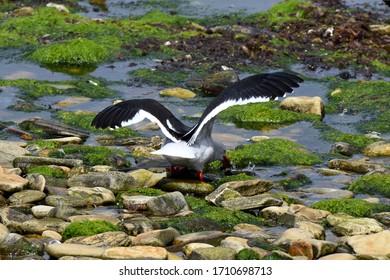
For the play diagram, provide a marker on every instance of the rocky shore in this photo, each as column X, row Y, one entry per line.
column 97, row 212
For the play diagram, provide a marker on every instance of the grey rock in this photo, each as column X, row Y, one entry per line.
column 113, row 180
column 96, row 196
column 40, row 225
column 63, row 212
column 343, row 148
column 13, row 219
column 4, row 231
column 252, row 202
column 9, row 151
column 36, row 182
column 26, row 196
column 106, row 239
column 214, row 253
column 137, row 225
column 26, row 162
column 72, row 201
column 160, row 237
column 167, row 204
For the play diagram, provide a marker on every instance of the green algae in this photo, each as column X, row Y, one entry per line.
column 370, row 98
column 247, row 254
column 47, row 171
column 158, row 77
column 88, row 228
column 83, row 120
column 351, row 206
column 91, row 155
column 262, row 115
column 73, row 52
column 375, row 184
column 294, row 182
column 231, row 178
column 274, row 151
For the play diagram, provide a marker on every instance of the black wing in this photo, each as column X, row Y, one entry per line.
column 133, row 111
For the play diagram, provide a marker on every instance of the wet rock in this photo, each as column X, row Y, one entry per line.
column 26, row 196
column 106, row 239
column 378, row 149
column 342, row 148
column 222, row 194
column 214, row 83
column 317, row 230
column 372, row 244
column 178, row 93
column 4, row 231
column 304, row 104
column 12, row 183
column 252, row 202
column 358, row 166
column 167, row 204
column 26, row 162
column 259, row 138
column 107, row 218
column 72, row 201
column 383, row 217
column 17, row 246
column 52, row 235
column 53, row 128
column 59, row 7
column 66, row 140
column 9, row 151
column 296, row 213
column 40, row 225
column 135, row 253
column 113, row 180
column 348, row 225
column 186, row 186
column 187, row 249
column 209, row 237
column 317, row 193
column 68, row 249
column 36, row 182
column 330, row 172
column 137, row 225
column 214, row 253
column 41, row 211
column 72, row 100
column 249, row 187
column 144, row 178
column 13, row 219
column 235, row 243
column 135, row 202
column 63, row 212
column 160, row 237
column 96, row 196
column 290, row 235
column 311, row 248
column 338, row 256
column 273, row 212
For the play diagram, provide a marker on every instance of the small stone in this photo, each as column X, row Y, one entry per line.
column 145, row 179
column 358, row 166
column 290, row 235
column 235, row 243
column 68, row 249
column 52, row 234
column 160, row 237
column 26, row 196
column 304, row 104
column 187, row 249
column 36, row 182
column 214, row 253
column 252, row 202
column 178, row 93
column 372, row 244
column 342, row 148
column 12, row 183
column 41, row 211
column 38, row 226
column 105, row 239
column 378, row 149
column 186, row 186
column 63, row 212
column 135, row 253
column 167, row 204
column 96, row 196
column 209, row 237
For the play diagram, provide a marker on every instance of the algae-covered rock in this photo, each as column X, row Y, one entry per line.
column 178, row 93
column 359, row 166
column 79, row 51
column 186, row 186
column 88, row 228
column 274, row 151
column 167, row 204
column 351, row 206
column 377, row 184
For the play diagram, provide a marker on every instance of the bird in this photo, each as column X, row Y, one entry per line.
column 190, row 148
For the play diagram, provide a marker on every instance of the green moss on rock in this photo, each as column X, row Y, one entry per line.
column 247, row 254
column 231, row 178
column 73, row 52
column 88, row 228
column 351, row 206
column 274, row 151
column 91, row 155
column 47, row 171
column 376, row 184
